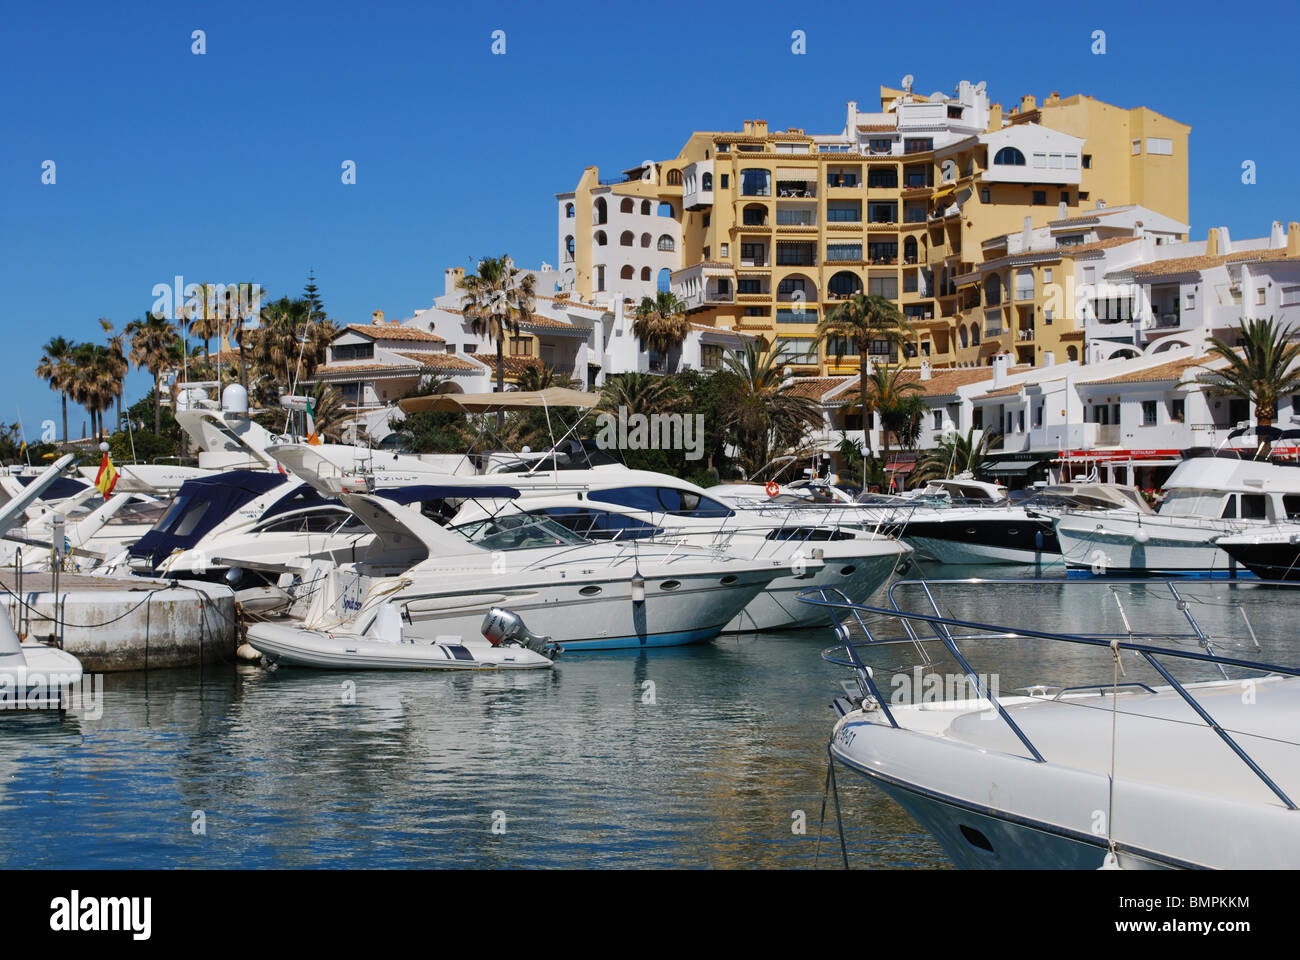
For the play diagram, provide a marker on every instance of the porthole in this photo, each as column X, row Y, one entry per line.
column 848, row 571
column 970, row 530
column 729, row 579
column 670, row 585
column 589, row 591
column 1013, row 531
column 975, row 838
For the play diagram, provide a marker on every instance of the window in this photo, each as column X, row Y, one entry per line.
column 796, row 314
column 752, row 251
column 844, row 284
column 886, row 177
column 626, row 239
column 705, row 253
column 844, row 251
column 1148, row 413
column 1040, row 198
column 796, row 255
column 749, row 285
column 938, row 419
column 1065, row 196
column 450, row 348
column 726, row 250
column 706, row 182
column 724, row 181
column 1009, row 157
column 844, row 211
column 1260, row 296
column 1190, row 300
column 755, row 183
column 1040, row 160
column 521, row 347
column 1137, row 146
column 977, row 418
column 1160, row 146
column 568, row 248
column 600, row 524
column 1254, row 506
column 984, row 195
column 601, row 239
column 883, row 287
column 667, row 244
column 710, row 356
column 790, row 285
column 880, row 145
column 568, row 210
column 471, row 348
column 1177, row 410
column 1291, row 503
column 626, row 206
column 645, row 240
column 799, row 350
column 645, row 274
column 838, row 346
column 1071, row 161
column 1054, row 161
column 1038, row 416
column 1087, row 161
column 645, row 208
column 882, row 212
column 674, row 178
column 627, row 272
column 918, row 144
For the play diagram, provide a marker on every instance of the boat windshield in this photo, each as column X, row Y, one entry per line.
column 1192, row 503
column 517, row 532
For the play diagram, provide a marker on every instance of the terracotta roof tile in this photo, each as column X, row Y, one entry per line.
column 1172, row 370
column 943, row 381
column 1092, row 216
column 393, row 331
column 1106, row 244
column 814, row 388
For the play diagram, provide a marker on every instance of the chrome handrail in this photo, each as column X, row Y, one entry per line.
column 835, row 602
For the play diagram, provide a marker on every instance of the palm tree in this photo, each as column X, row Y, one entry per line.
column 152, row 342
column 55, row 369
column 954, row 455
column 117, row 362
column 642, row 393
column 859, row 321
column 765, row 412
column 328, row 412
column 893, row 397
column 1260, row 371
column 541, row 377
column 497, row 299
column 661, row 323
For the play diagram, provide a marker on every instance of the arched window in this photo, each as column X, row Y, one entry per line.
column 601, row 239
column 666, row 244
column 626, row 273
column 568, row 210
column 1009, row 157
column 568, row 248
column 627, row 206
column 625, row 239
column 645, row 274
column 974, row 335
column 992, row 290
column 601, row 211
column 1072, row 354
column 665, row 282
column 674, row 178
column 845, row 284
column 645, row 208
column 962, row 335
column 666, row 209
column 645, row 240
column 754, row 215
column 909, row 250
column 706, row 182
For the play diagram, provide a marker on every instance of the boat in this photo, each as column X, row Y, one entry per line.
column 34, row 676
column 439, row 580
column 1206, row 498
column 1270, row 553
column 1121, row 773
column 668, row 510
column 508, row 645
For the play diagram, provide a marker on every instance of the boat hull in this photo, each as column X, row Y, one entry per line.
column 323, row 650
column 984, row 540
column 1268, row 561
column 1123, row 546
column 778, row 607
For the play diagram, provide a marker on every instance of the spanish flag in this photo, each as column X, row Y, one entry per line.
column 106, row 479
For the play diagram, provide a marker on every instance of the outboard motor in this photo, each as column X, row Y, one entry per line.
column 502, row 626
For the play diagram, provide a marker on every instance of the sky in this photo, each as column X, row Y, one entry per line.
column 227, row 166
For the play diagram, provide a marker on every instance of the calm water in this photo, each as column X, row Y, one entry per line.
column 295, row 768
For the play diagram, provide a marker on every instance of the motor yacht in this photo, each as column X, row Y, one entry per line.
column 1270, row 553
column 1206, row 498
column 1130, row 772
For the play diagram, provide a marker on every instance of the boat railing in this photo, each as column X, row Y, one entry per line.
column 925, row 626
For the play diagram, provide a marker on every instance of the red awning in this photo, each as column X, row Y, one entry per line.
column 901, row 466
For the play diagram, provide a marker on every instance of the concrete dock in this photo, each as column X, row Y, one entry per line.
column 124, row 623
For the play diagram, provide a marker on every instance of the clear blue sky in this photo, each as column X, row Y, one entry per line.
column 226, row 167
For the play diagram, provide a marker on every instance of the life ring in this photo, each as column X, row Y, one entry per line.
column 772, row 488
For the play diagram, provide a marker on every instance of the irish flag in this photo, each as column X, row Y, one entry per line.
column 106, row 479
column 312, row 436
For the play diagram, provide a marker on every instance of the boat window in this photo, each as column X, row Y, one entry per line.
column 172, row 515
column 1192, row 503
column 1230, row 508
column 1254, row 506
column 517, row 532
column 1291, row 503
column 600, row 524
column 185, row 526
column 638, row 498
column 679, row 503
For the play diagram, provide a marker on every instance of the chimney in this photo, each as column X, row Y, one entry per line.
column 1293, row 239
column 1049, row 358
column 1225, row 241
column 851, row 120
column 1212, row 243
column 760, row 128
column 1025, row 232
column 451, row 278
column 995, row 117
column 999, row 369
column 377, row 316
column 925, row 369
column 1062, row 210
column 1052, row 99
column 1277, row 238
column 1027, row 103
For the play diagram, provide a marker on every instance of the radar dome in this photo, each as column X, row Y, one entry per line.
column 234, row 399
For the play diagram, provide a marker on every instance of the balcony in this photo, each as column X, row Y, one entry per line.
column 796, row 190
column 1108, row 434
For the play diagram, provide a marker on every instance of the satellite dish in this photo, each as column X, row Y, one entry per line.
column 907, row 82
column 981, row 86
column 937, row 95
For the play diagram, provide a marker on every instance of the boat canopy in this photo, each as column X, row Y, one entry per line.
column 420, row 493
column 492, row 402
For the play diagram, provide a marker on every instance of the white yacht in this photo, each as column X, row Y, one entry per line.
column 1205, row 498
column 424, row 582
column 1069, row 778
column 668, row 510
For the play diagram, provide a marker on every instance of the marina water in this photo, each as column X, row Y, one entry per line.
column 710, row 756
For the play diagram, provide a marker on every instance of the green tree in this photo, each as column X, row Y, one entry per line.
column 153, row 340
column 764, row 411
column 859, row 321
column 56, row 369
column 1261, row 371
column 660, row 324
column 955, row 454
column 497, row 299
